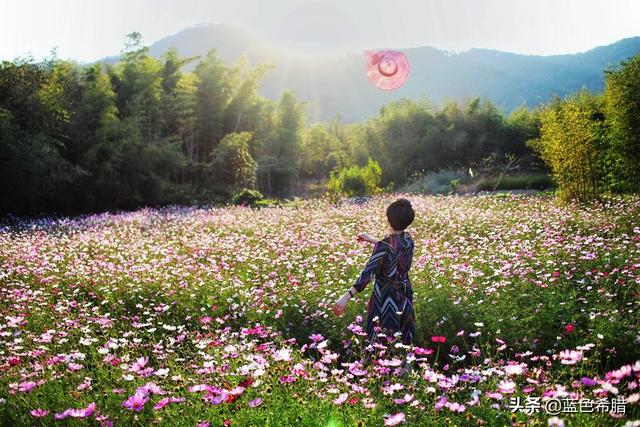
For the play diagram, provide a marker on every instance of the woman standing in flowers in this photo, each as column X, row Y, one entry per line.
column 391, row 302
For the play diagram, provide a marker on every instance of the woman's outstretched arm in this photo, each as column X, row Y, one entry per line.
column 372, row 267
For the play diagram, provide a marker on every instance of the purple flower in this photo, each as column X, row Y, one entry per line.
column 588, row 381
column 136, row 402
column 406, row 399
column 39, row 413
column 316, row 337
column 442, row 400
column 27, row 386
column 255, row 402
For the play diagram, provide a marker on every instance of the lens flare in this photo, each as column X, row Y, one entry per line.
column 386, row 69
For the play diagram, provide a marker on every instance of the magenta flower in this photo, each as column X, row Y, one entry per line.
column 83, row 412
column 395, row 419
column 39, row 413
column 136, row 402
column 588, row 381
column 286, row 379
column 167, row 400
column 423, row 351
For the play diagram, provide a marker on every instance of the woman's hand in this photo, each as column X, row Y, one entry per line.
column 364, row 237
column 341, row 304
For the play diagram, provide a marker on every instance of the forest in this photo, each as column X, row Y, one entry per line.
column 145, row 132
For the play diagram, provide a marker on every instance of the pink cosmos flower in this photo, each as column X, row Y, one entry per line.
column 39, row 413
column 136, row 402
column 455, row 407
column 83, row 412
column 406, row 399
column 355, row 369
column 76, row 413
column 27, row 386
column 513, row 369
column 255, row 402
column 442, row 400
column 506, row 387
column 439, row 339
column 286, row 379
column 570, row 357
column 316, row 337
column 167, row 400
column 423, row 351
column 341, row 399
column 395, row 419
column 140, row 364
column 283, row 354
column 150, row 388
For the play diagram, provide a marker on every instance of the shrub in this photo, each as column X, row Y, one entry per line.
column 356, row 180
column 247, row 196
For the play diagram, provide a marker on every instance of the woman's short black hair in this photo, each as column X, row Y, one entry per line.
column 400, row 214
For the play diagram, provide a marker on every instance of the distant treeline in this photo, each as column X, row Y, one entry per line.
column 143, row 133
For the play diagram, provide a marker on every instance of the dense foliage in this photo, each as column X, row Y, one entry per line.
column 143, row 132
column 592, row 142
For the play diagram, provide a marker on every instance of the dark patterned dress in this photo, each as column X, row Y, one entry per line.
column 392, row 297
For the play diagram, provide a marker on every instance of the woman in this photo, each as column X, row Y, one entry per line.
column 391, row 302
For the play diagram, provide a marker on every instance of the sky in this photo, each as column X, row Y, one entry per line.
column 87, row 30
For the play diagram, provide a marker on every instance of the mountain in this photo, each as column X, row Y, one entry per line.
column 336, row 84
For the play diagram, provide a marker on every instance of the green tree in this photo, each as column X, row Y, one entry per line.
column 284, row 145
column 572, row 143
column 622, row 101
column 212, row 96
column 232, row 164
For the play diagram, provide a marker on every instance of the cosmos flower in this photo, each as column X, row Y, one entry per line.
column 395, row 419
column 39, row 413
column 255, row 402
column 570, row 357
column 506, row 387
column 136, row 402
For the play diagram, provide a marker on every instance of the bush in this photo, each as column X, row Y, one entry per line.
column 356, row 180
column 248, row 197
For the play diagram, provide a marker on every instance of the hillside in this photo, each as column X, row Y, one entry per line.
column 336, row 84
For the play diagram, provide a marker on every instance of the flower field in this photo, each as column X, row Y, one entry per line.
column 222, row 316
